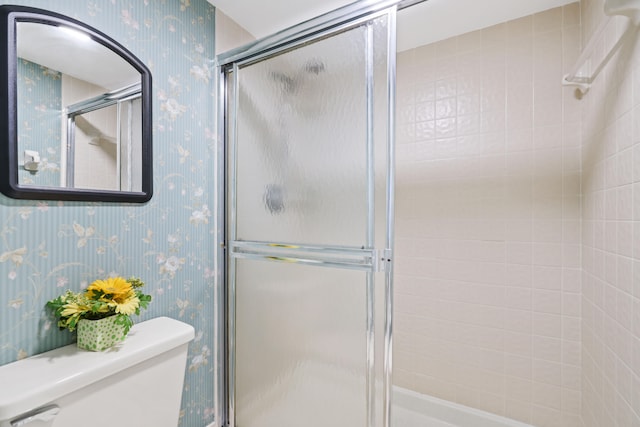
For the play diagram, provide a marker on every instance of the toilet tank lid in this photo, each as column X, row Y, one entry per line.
column 38, row 380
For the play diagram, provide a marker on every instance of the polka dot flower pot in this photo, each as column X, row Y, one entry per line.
column 99, row 335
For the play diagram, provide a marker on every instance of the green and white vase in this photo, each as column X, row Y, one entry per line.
column 99, row 335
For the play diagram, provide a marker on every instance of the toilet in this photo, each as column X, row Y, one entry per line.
column 137, row 383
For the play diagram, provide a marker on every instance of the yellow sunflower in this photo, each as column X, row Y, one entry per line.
column 129, row 306
column 74, row 308
column 116, row 292
column 113, row 289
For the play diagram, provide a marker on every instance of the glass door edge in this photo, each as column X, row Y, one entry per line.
column 389, row 259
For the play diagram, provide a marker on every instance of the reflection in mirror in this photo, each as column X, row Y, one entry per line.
column 103, row 137
column 81, row 113
column 82, row 106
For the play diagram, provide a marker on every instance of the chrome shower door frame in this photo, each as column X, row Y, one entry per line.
column 371, row 259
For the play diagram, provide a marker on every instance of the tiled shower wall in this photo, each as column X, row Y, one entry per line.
column 611, row 231
column 488, row 299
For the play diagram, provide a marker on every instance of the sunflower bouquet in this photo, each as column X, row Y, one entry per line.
column 114, row 296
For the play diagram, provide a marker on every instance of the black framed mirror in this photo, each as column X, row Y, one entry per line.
column 75, row 112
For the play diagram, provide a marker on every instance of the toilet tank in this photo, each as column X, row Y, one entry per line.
column 137, row 383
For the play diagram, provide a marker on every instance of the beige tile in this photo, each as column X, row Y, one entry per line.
column 571, row 353
column 571, row 403
column 572, row 377
column 547, row 325
column 545, row 301
column 471, row 41
column 548, row 20
column 571, row 15
column 519, row 410
column 546, row 396
column 547, row 349
column 571, row 330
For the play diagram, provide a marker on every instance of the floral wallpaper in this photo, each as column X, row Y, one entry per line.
column 39, row 122
column 47, row 247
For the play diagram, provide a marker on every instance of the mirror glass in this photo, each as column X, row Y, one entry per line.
column 79, row 112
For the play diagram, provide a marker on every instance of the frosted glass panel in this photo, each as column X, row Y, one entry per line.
column 300, row 346
column 309, row 174
column 301, row 141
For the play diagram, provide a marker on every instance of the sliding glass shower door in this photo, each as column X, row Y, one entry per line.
column 308, row 131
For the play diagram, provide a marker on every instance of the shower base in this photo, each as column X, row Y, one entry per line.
column 411, row 409
column 304, row 394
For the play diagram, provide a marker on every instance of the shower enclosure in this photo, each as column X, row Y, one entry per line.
column 515, row 234
column 102, row 144
column 307, row 120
